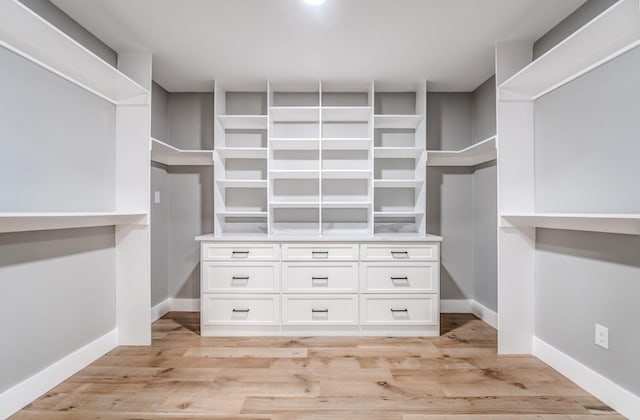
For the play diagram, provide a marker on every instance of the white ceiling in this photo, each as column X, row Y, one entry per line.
column 447, row 42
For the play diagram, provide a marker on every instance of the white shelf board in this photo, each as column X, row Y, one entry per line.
column 345, row 174
column 610, row 34
column 311, row 237
column 395, row 214
column 243, row 214
column 346, row 143
column 397, row 183
column 398, row 152
column 242, row 183
column 346, row 113
column 242, row 152
column 295, row 113
column 481, row 152
column 397, row 121
column 593, row 222
column 243, row 122
column 22, row 222
column 294, row 204
column 164, row 153
column 295, row 174
column 294, row 144
column 346, row 204
column 29, row 35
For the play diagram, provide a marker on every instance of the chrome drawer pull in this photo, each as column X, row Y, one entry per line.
column 405, row 278
column 325, row 311
column 400, row 254
column 319, row 278
column 235, row 254
column 317, row 254
column 245, row 310
column 240, row 278
column 399, row 310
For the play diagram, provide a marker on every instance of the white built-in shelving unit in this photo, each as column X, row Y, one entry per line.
column 477, row 154
column 168, row 155
column 320, row 158
column 520, row 82
column 27, row 34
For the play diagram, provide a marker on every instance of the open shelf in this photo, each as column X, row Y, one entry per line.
column 164, row 153
column 395, row 214
column 27, row 34
column 22, row 222
column 294, row 204
column 243, row 214
column 346, row 204
column 397, row 121
column 242, row 183
column 481, row 152
column 345, row 174
column 294, row 113
column 295, row 174
column 243, row 122
column 610, row 34
column 346, row 143
column 294, row 144
column 346, row 113
column 398, row 152
column 397, row 183
column 593, row 222
column 242, row 152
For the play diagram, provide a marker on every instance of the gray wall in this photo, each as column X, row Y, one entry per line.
column 191, row 120
column 159, row 112
column 584, row 278
column 587, row 148
column 449, row 191
column 66, row 24
column 485, row 201
column 57, row 294
column 52, row 131
column 570, row 24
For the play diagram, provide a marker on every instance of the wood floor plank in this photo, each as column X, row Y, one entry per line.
column 181, row 375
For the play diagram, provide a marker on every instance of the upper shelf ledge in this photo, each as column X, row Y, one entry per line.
column 30, row 36
column 169, row 155
column 592, row 222
column 609, row 35
column 481, row 152
column 23, row 222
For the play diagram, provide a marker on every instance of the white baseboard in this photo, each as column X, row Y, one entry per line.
column 602, row 388
column 484, row 313
column 455, row 306
column 184, row 305
column 160, row 310
column 31, row 388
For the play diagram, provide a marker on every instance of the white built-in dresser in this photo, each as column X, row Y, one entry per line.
column 364, row 286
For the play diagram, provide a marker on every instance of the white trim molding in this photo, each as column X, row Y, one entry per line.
column 184, row 304
column 455, row 306
column 600, row 387
column 484, row 313
column 160, row 310
column 31, row 388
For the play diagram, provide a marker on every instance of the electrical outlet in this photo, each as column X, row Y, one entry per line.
column 602, row 336
column 156, row 197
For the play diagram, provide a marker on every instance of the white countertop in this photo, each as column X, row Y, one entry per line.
column 385, row 237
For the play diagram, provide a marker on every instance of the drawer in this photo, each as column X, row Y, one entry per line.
column 248, row 276
column 396, row 277
column 400, row 252
column 240, row 251
column 240, row 309
column 399, row 310
column 320, row 251
column 319, row 309
column 324, row 277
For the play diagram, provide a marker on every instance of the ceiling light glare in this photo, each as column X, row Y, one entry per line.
column 314, row 2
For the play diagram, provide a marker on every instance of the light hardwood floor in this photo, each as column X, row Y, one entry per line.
column 182, row 375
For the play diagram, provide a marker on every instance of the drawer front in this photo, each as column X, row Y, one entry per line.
column 240, row 252
column 240, row 309
column 399, row 310
column 320, row 252
column 314, row 277
column 249, row 276
column 400, row 252
column 396, row 277
column 320, row 310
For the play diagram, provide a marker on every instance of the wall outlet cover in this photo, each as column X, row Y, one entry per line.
column 602, row 336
